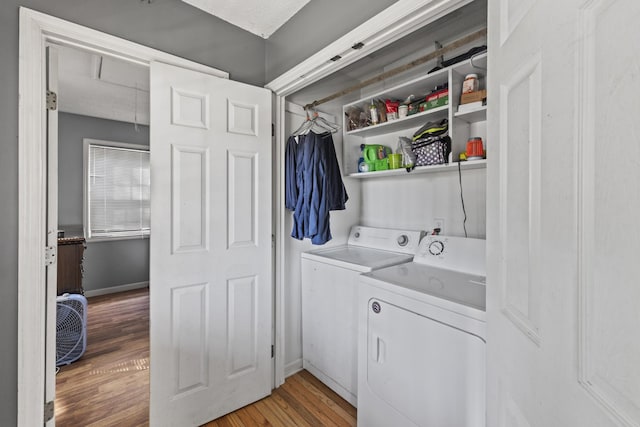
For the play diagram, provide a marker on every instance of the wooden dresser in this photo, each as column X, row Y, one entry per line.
column 70, row 270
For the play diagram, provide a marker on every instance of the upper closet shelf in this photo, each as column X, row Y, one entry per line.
column 399, row 124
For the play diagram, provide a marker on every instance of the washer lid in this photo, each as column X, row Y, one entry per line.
column 357, row 258
column 419, row 280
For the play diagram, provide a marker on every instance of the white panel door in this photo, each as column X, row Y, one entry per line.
column 562, row 214
column 210, row 278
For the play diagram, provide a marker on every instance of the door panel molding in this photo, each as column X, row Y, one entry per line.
column 190, row 350
column 242, row 327
column 243, row 118
column 243, row 202
column 189, row 108
column 520, row 163
column 190, row 220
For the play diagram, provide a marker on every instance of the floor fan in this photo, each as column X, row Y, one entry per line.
column 71, row 328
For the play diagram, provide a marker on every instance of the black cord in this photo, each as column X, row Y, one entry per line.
column 464, row 222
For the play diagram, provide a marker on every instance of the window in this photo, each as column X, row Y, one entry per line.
column 117, row 190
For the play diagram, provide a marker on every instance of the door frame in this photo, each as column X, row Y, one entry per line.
column 36, row 29
column 393, row 23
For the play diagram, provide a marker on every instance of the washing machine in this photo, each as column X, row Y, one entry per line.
column 421, row 343
column 329, row 300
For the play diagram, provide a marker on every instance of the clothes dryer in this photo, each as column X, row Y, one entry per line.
column 329, row 308
column 421, row 344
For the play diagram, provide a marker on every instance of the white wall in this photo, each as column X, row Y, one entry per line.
column 414, row 201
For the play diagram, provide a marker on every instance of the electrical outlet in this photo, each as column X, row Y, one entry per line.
column 439, row 223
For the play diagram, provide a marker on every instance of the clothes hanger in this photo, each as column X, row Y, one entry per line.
column 319, row 122
column 304, row 127
column 322, row 122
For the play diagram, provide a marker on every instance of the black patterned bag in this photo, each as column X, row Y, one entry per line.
column 432, row 150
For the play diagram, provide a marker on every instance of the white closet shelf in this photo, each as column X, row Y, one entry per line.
column 473, row 116
column 469, row 164
column 399, row 124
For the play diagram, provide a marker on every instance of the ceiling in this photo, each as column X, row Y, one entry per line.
column 259, row 17
column 94, row 85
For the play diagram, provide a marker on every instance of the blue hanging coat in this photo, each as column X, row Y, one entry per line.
column 313, row 185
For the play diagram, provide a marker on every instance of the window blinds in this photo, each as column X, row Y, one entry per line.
column 118, row 191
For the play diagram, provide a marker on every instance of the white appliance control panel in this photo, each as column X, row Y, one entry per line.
column 386, row 239
column 453, row 253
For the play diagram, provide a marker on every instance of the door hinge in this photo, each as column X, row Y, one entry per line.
column 50, row 254
column 48, row 411
column 273, row 129
column 52, row 100
column 273, row 351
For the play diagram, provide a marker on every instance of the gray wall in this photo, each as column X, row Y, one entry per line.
column 169, row 25
column 109, row 263
column 72, row 128
column 317, row 25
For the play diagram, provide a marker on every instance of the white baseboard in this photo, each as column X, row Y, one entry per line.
column 115, row 289
column 292, row 367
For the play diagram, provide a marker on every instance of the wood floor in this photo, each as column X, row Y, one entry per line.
column 109, row 385
column 301, row 401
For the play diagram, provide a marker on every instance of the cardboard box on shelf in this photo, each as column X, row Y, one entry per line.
column 438, row 98
column 476, row 96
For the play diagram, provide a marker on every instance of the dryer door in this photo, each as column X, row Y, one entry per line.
column 430, row 373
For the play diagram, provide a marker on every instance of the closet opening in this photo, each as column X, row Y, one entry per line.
column 449, row 196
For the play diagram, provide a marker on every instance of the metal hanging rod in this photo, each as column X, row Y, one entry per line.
column 435, row 54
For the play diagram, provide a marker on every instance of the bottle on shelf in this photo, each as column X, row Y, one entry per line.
column 374, row 113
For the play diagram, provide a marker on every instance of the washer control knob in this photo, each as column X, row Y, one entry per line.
column 357, row 234
column 403, row 240
column 436, row 247
column 375, row 307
